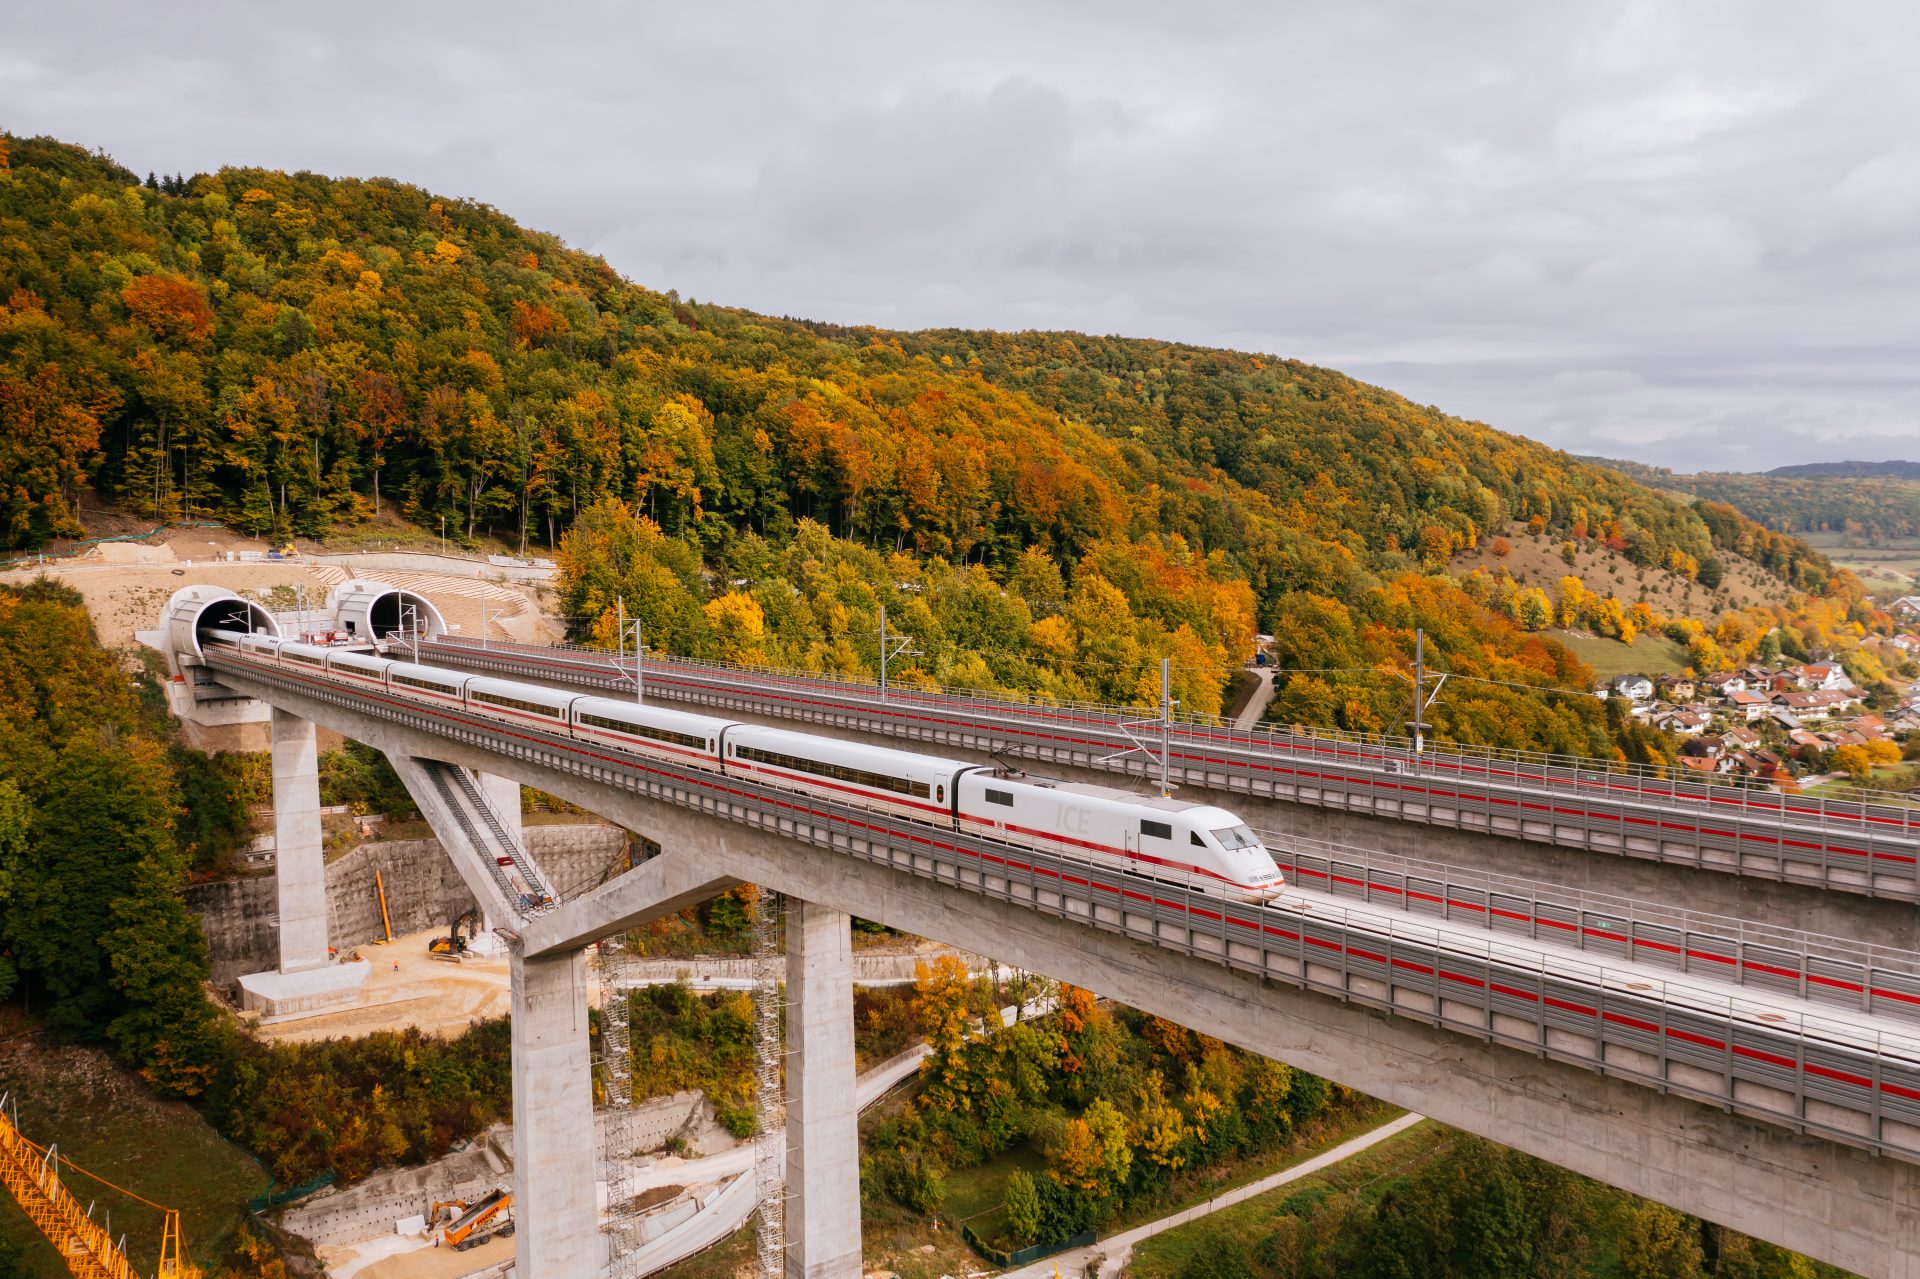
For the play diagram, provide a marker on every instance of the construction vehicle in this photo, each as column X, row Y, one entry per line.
column 472, row 1224
column 453, row 946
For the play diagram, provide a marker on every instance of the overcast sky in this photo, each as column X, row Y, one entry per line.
column 1687, row 233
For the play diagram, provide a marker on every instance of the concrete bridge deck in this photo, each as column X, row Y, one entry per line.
column 1817, row 1079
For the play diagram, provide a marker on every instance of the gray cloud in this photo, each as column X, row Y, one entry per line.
column 1684, row 233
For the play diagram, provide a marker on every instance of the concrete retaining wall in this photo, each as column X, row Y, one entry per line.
column 423, row 891
column 370, row 1208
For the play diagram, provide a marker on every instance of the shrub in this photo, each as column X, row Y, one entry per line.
column 1022, row 1206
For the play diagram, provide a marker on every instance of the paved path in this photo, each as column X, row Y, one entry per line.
column 1249, row 716
column 1118, row 1250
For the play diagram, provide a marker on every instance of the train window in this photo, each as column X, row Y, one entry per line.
column 940, row 794
column 1235, row 838
column 1000, row 797
column 837, row 772
column 1193, row 837
column 645, row 730
column 1159, row 830
column 515, row 703
column 414, row 681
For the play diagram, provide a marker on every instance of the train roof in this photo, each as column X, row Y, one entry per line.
column 1208, row 815
column 538, row 694
column 438, row 674
column 834, row 748
column 1093, row 790
column 645, row 713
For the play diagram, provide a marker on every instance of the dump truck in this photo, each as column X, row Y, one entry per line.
column 471, row 1224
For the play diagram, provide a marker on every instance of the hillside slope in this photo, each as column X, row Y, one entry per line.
column 292, row 353
column 1859, row 499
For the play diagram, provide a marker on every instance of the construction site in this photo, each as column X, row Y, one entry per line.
column 454, row 1217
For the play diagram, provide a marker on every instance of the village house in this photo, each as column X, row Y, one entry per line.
column 1748, row 707
column 1635, row 687
column 1872, row 726
column 1682, row 723
column 1824, row 675
column 1905, row 606
column 1805, row 707
column 1837, row 699
column 1705, row 746
column 1677, row 688
column 1724, row 683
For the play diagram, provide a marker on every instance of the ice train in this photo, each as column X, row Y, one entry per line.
column 1172, row 842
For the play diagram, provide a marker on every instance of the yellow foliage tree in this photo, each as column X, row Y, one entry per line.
column 740, row 625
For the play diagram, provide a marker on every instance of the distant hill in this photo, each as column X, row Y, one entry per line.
column 1851, row 470
column 1861, row 499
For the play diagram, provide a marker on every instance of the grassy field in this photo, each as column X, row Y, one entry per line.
column 1250, row 1222
column 1888, row 567
column 104, row 1119
column 1648, row 655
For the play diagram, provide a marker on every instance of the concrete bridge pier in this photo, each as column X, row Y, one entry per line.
column 556, row 1205
column 305, row 981
column 823, row 1136
column 299, row 859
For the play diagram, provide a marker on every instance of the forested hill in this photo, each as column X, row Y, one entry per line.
column 1851, row 470
column 293, row 353
column 279, row 348
column 1863, row 499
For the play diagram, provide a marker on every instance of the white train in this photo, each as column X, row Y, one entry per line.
column 1167, row 841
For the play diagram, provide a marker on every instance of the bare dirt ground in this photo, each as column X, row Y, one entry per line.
column 408, row 987
column 125, row 585
column 399, row 1257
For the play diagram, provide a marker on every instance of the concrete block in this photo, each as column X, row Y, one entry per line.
column 281, row 996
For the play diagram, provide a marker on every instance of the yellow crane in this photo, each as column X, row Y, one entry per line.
column 30, row 1172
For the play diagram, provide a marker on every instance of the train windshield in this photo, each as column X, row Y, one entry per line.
column 1235, row 838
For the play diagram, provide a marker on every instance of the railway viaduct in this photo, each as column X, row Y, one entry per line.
column 1753, row 1106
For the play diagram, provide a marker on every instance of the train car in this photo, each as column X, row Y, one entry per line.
column 1169, row 841
column 920, row 787
column 308, row 657
column 427, row 683
column 263, row 648
column 648, row 730
column 361, row 668
column 521, row 703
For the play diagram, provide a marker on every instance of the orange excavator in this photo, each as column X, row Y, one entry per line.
column 472, row 1224
column 454, row 946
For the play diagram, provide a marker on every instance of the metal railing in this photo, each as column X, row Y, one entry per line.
column 1815, row 966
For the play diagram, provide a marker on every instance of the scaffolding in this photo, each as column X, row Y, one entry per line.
column 30, row 1172
column 769, row 1089
column 614, row 1124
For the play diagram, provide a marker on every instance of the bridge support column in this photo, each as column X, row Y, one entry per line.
column 299, row 861
column 823, row 1137
column 554, row 1195
column 305, row 982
